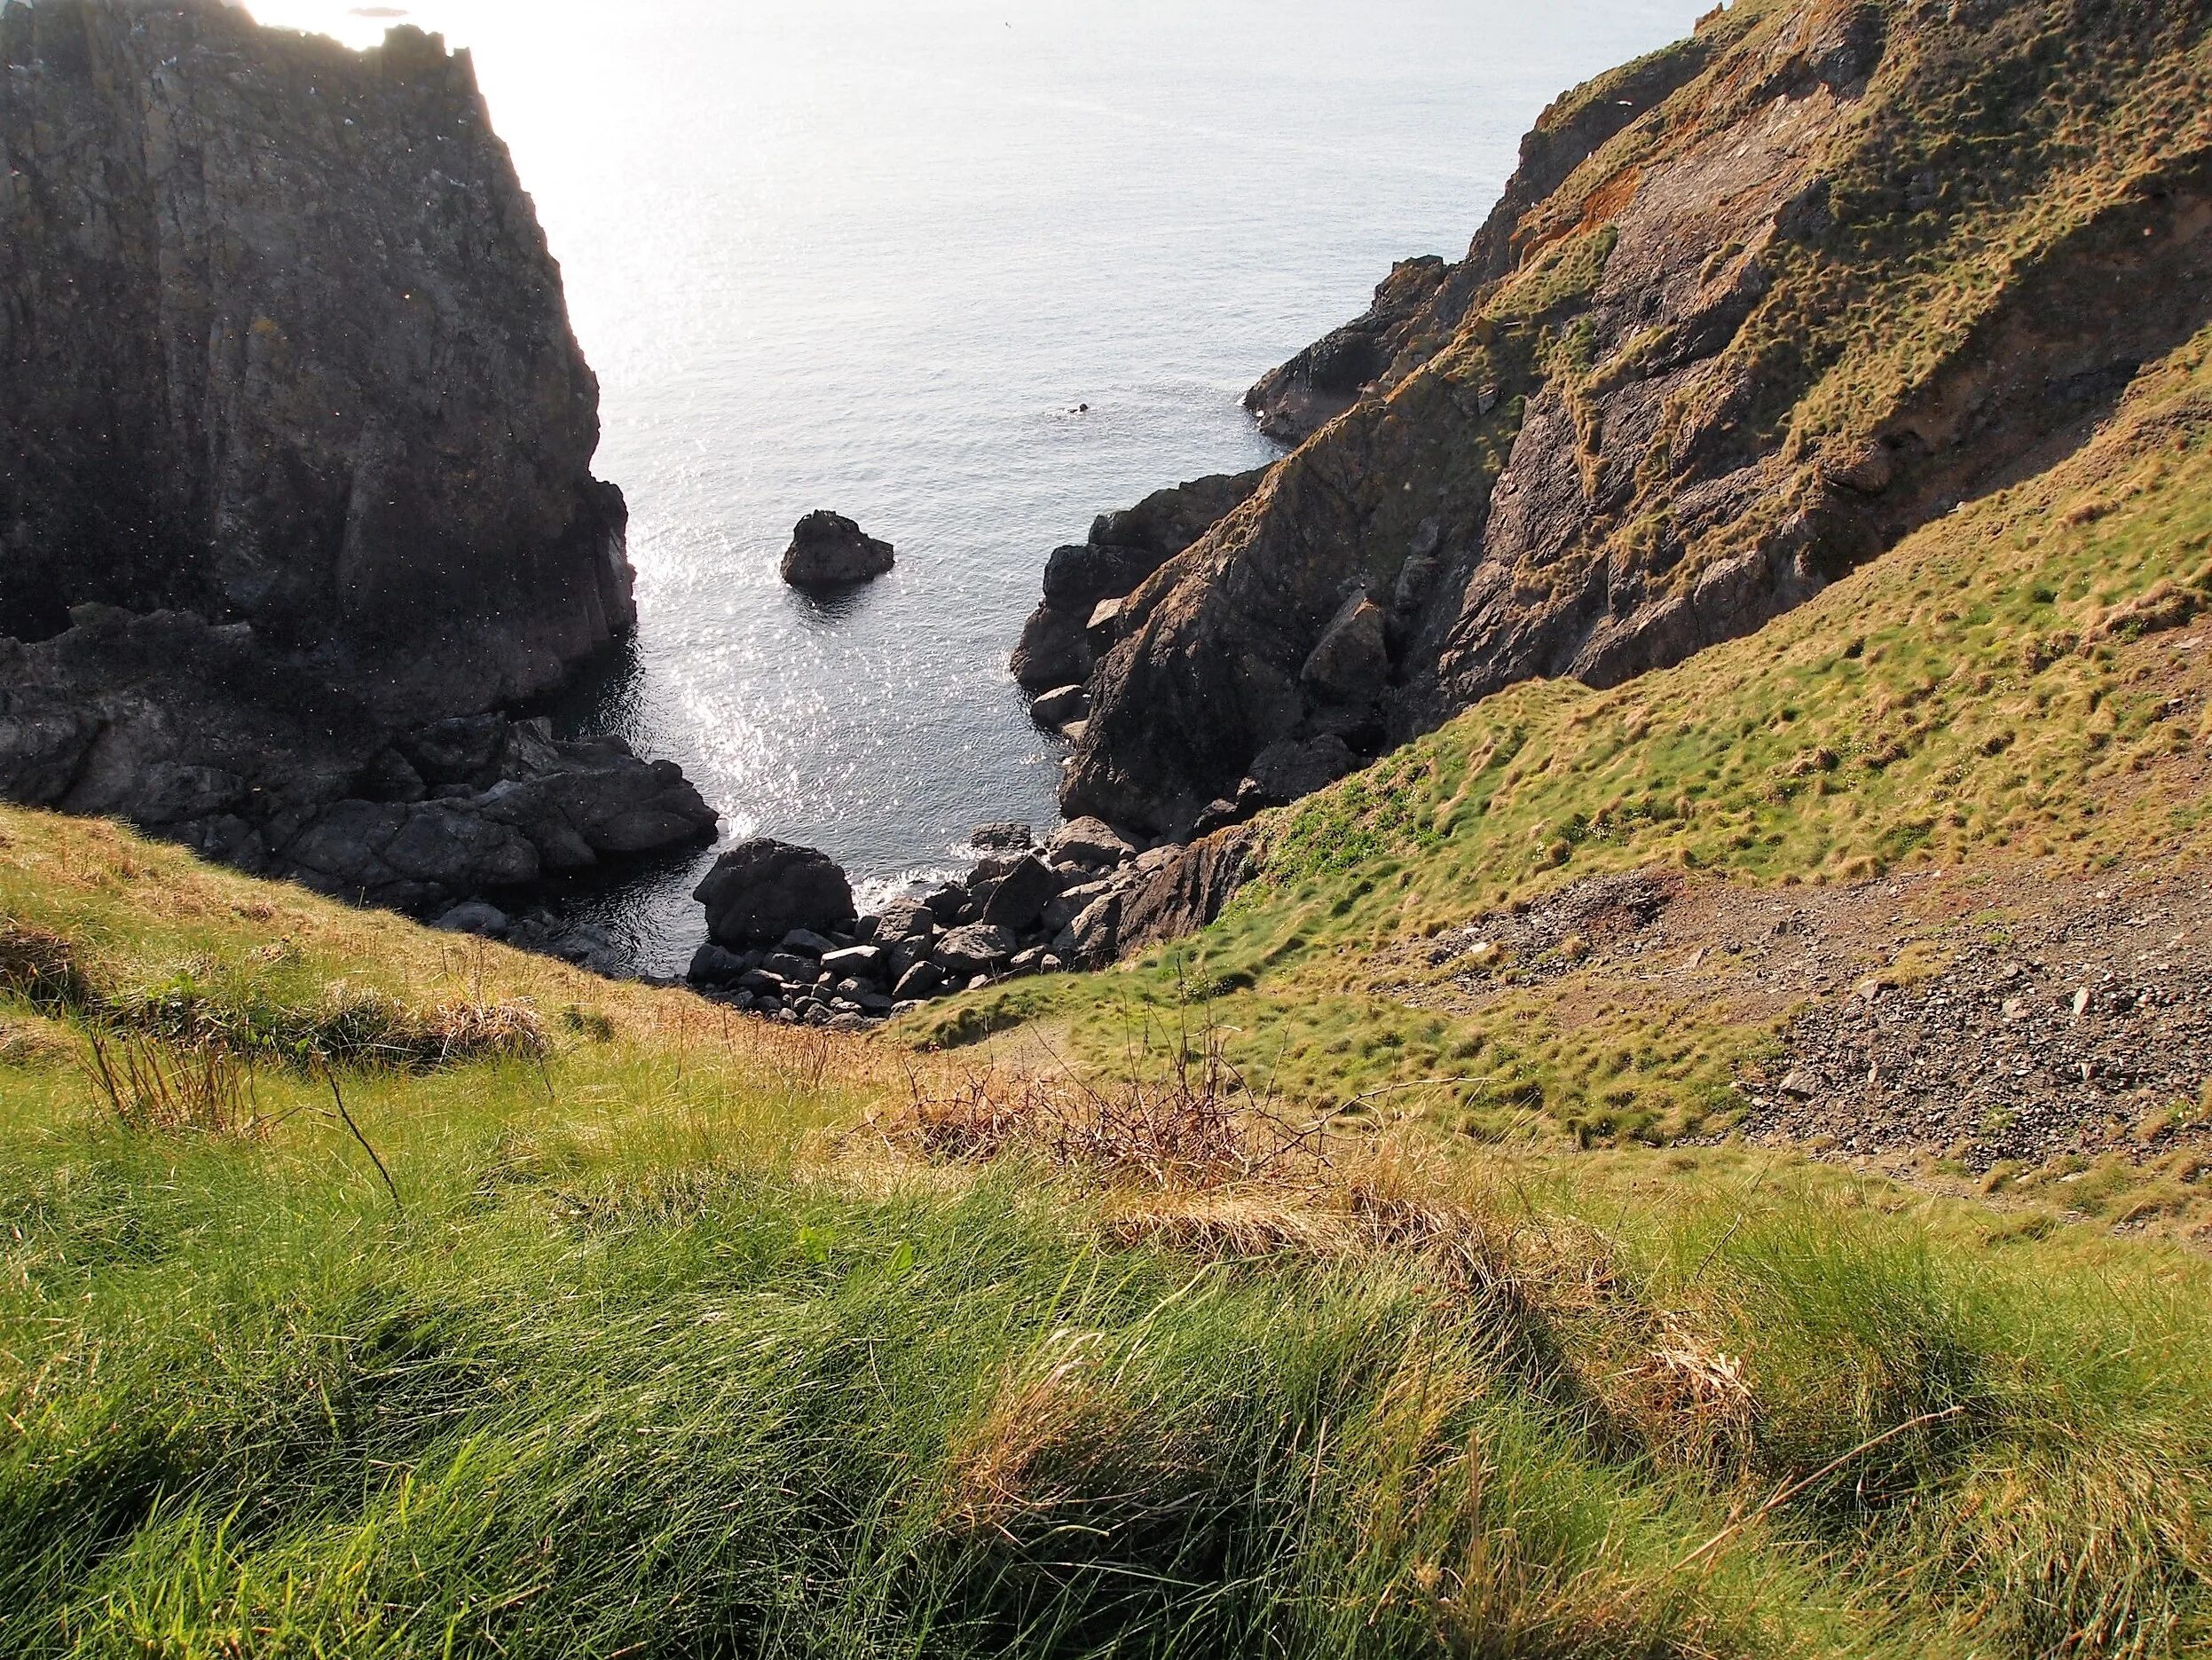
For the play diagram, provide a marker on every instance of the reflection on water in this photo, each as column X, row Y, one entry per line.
column 875, row 255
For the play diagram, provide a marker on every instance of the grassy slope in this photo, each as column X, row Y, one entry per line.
column 648, row 1364
column 1980, row 695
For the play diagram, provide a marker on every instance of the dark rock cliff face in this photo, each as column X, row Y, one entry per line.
column 281, row 342
column 1751, row 310
column 295, row 451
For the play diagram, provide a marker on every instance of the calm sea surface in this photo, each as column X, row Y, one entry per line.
column 872, row 255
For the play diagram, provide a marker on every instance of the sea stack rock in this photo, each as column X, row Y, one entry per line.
column 829, row 551
column 281, row 342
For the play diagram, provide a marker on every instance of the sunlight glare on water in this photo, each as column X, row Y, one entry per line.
column 871, row 255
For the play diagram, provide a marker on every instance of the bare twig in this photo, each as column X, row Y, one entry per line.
column 331, row 1078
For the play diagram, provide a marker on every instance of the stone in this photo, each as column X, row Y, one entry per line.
column 1284, row 772
column 974, row 950
column 904, row 919
column 475, row 917
column 828, row 550
column 1029, row 962
column 1093, row 940
column 1071, row 903
column 1078, row 576
column 807, row 942
column 713, row 965
column 1059, row 707
column 1006, row 838
column 923, row 981
column 1800, row 1083
column 1021, row 896
column 947, row 902
column 860, row 962
column 1351, row 663
column 1053, row 652
column 1105, row 622
column 761, row 890
column 1087, row 841
column 790, row 969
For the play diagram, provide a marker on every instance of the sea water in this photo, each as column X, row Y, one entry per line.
column 969, row 272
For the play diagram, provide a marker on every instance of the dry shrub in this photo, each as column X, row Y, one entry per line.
column 1200, row 1127
column 27, row 1044
column 41, row 967
column 1050, row 1428
column 1689, row 1400
column 152, row 1084
column 2163, row 606
column 471, row 1030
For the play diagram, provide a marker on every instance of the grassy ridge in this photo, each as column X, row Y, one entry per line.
column 669, row 1354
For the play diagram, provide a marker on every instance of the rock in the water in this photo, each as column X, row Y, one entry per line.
column 475, row 917
column 760, row 890
column 828, row 550
column 1007, row 838
column 1060, row 706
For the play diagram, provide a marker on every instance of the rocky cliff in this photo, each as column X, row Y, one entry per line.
column 295, row 451
column 281, row 342
column 1751, row 310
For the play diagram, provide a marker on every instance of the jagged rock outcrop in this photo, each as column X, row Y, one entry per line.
column 1061, row 640
column 281, row 342
column 1751, row 310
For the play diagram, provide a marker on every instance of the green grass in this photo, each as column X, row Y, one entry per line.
column 666, row 1354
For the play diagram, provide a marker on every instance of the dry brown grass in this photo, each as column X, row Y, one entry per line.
column 152, row 1085
column 41, row 967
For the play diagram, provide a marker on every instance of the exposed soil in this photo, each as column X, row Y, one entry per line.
column 1985, row 1016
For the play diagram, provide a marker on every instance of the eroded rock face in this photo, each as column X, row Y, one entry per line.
column 281, row 342
column 1740, row 323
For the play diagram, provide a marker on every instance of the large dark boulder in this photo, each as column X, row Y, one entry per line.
column 760, row 891
column 829, row 551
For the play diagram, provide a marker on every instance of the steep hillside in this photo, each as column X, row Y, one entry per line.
column 1752, row 310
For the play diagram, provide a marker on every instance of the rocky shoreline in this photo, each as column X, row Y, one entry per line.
column 786, row 941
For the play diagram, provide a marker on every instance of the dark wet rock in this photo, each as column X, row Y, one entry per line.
column 1060, row 706
column 714, row 965
column 1053, row 652
column 1006, row 838
column 828, row 550
column 808, row 942
column 761, row 890
column 475, row 917
column 1352, row 661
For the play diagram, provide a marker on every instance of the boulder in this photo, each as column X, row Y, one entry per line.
column 713, row 965
column 1021, row 896
column 1060, row 706
column 1053, row 650
column 828, row 550
column 1352, row 661
column 1093, row 940
column 975, row 950
column 1077, row 577
column 1087, row 841
column 1006, row 838
column 475, row 917
column 904, row 919
column 807, row 942
column 761, row 890
column 859, row 962
column 923, row 981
